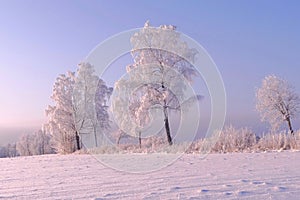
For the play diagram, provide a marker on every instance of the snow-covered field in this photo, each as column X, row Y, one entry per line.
column 273, row 175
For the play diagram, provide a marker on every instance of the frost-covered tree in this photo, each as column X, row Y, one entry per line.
column 90, row 98
column 84, row 101
column 24, row 146
column 61, row 117
column 124, row 108
column 277, row 102
column 161, row 59
column 102, row 96
column 34, row 144
column 139, row 114
column 41, row 142
column 3, row 152
column 80, row 108
column 8, row 150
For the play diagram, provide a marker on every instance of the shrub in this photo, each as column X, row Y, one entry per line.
column 231, row 139
column 280, row 141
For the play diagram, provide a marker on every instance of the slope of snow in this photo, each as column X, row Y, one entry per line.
column 218, row 176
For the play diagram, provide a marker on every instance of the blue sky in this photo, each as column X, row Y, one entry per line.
column 41, row 39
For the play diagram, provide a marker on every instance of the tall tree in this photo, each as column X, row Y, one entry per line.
column 80, row 109
column 90, row 98
column 84, row 102
column 42, row 142
column 61, row 117
column 156, row 53
column 129, row 112
column 102, row 96
column 277, row 102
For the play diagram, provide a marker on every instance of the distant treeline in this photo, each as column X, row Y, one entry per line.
column 38, row 143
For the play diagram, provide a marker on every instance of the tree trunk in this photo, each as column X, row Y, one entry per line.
column 77, row 140
column 290, row 125
column 118, row 140
column 167, row 126
column 95, row 133
column 140, row 139
column 119, row 136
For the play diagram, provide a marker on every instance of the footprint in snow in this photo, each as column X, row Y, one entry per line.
column 108, row 195
column 175, row 188
column 242, row 193
column 278, row 188
column 227, row 185
column 257, row 182
column 204, row 191
column 245, row 181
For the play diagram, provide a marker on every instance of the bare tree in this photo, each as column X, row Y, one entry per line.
column 277, row 102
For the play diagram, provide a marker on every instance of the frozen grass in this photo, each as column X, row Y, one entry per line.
column 229, row 140
column 281, row 141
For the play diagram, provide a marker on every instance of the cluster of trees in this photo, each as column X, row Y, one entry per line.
column 8, row 150
column 78, row 117
column 38, row 143
column 80, row 114
column 156, row 80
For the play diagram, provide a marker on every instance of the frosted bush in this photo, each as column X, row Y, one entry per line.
column 280, row 141
column 234, row 140
column 195, row 147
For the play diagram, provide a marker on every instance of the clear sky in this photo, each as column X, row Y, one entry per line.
column 41, row 39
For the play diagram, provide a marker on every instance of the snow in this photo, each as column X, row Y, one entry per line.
column 272, row 175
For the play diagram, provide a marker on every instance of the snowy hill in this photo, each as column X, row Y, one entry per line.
column 273, row 175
